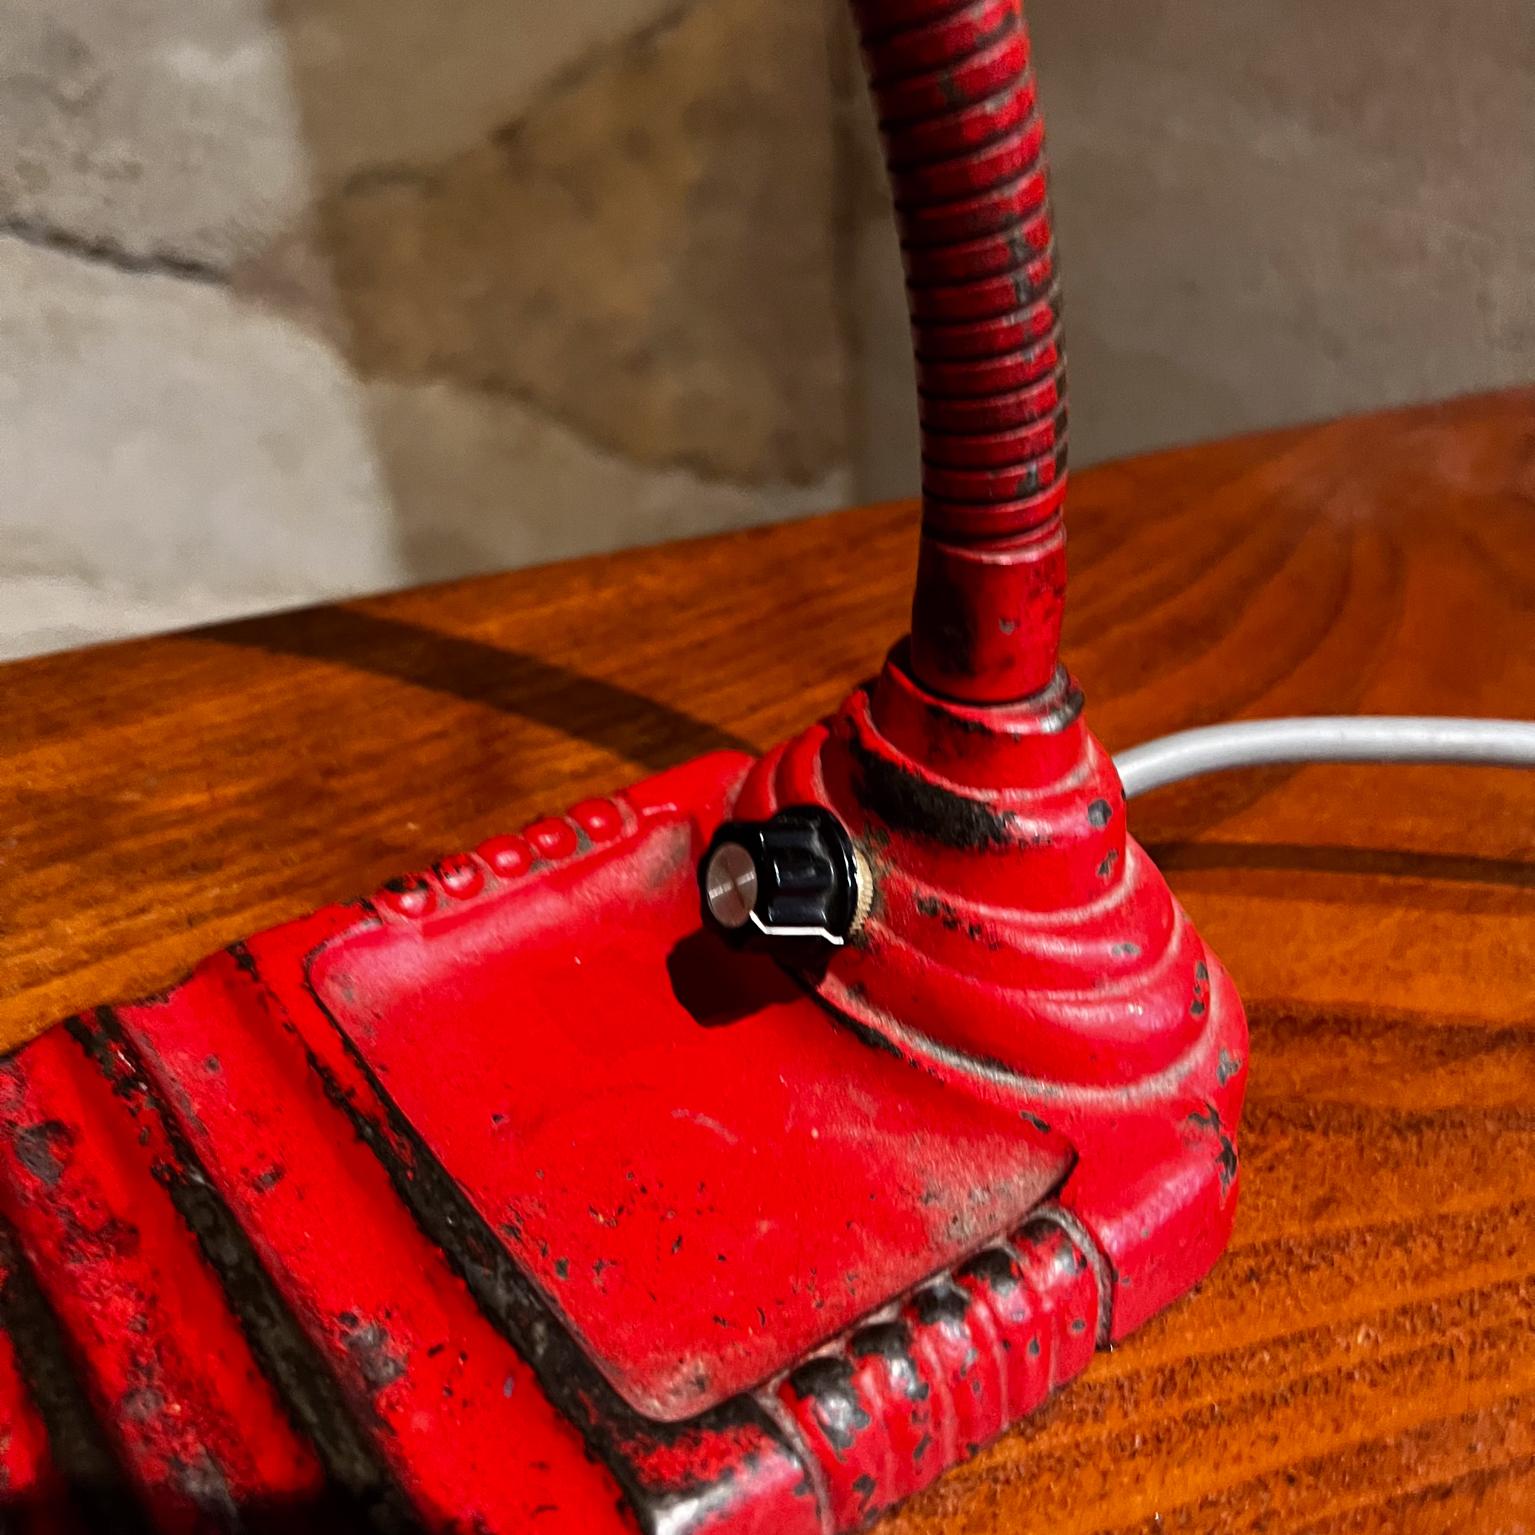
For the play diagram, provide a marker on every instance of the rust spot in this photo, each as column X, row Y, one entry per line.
column 910, row 804
column 873, row 1039
column 1209, row 1120
column 994, row 1268
column 1100, row 813
column 141, row 1404
column 948, row 916
column 204, row 1482
column 1228, row 1162
column 828, row 1384
column 941, row 1303
column 42, row 1149
column 1227, row 1155
column 372, row 1351
column 891, row 1341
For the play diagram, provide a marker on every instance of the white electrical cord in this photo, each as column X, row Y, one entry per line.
column 1385, row 738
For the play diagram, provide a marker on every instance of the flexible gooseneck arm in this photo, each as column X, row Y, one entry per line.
column 964, row 144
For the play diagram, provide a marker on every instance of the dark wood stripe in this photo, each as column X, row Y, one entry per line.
column 1362, row 862
column 1254, row 1497
column 1420, row 1036
column 1270, row 1117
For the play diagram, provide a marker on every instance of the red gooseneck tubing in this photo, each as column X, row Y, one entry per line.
column 964, row 144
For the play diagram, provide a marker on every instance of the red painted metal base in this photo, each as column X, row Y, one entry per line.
column 512, row 1199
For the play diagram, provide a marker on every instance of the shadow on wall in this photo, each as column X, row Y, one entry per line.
column 583, row 260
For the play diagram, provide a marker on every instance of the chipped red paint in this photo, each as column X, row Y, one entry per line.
column 27, row 1475
column 85, row 1180
column 369, row 1194
column 445, row 1402
column 1024, row 950
column 945, row 1373
column 513, row 1199
column 700, row 1195
column 31, row 1489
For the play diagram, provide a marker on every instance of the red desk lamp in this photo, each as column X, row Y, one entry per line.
column 523, row 1197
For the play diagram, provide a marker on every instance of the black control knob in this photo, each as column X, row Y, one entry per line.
column 795, row 876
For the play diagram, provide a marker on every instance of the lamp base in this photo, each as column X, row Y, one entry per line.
column 513, row 1199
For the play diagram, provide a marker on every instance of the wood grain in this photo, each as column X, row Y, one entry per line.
column 1365, row 1357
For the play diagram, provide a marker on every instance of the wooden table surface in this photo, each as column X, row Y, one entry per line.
column 1364, row 1358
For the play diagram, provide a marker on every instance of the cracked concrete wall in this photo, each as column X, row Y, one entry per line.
column 307, row 297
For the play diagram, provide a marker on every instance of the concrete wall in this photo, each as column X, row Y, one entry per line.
column 320, row 296
column 304, row 297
